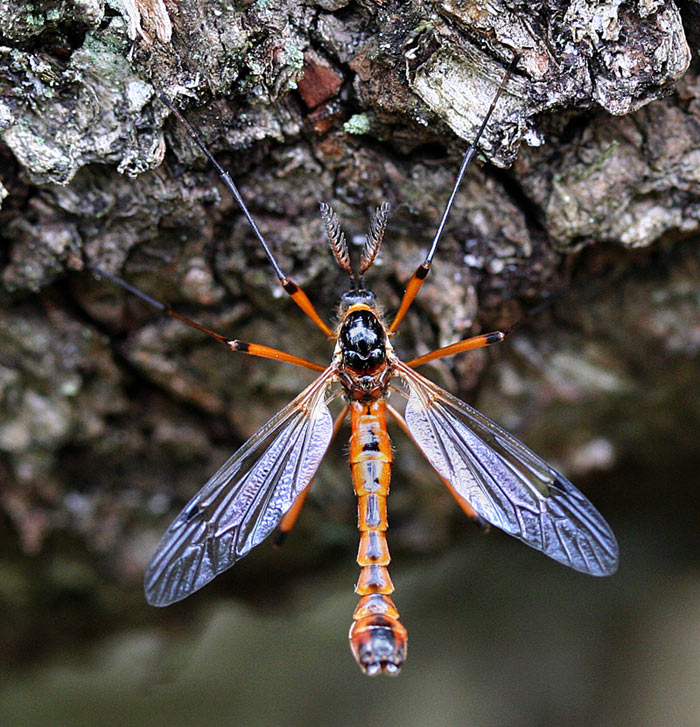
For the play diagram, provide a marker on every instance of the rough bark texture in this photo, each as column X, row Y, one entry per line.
column 111, row 416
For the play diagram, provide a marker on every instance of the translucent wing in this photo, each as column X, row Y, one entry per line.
column 506, row 483
column 245, row 500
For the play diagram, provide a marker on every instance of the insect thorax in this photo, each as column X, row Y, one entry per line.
column 363, row 343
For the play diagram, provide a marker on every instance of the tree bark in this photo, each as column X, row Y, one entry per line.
column 111, row 416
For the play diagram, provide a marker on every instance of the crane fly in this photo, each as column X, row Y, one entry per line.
column 495, row 478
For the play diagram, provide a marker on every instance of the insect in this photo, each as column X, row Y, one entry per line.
column 494, row 478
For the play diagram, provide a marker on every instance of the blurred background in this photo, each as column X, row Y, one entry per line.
column 497, row 635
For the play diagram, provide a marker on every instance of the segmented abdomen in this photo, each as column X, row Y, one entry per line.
column 377, row 638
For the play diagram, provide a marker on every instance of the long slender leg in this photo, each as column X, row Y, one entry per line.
column 483, row 339
column 290, row 517
column 466, row 507
column 415, row 283
column 253, row 349
column 468, row 344
column 289, row 286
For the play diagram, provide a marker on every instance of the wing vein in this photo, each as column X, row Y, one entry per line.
column 506, row 483
column 245, row 500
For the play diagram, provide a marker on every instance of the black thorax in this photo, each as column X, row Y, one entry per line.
column 363, row 348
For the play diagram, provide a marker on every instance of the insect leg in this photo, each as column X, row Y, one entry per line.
column 468, row 344
column 253, row 349
column 416, row 281
column 483, row 339
column 288, row 285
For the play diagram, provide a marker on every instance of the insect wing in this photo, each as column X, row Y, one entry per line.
column 505, row 482
column 245, row 500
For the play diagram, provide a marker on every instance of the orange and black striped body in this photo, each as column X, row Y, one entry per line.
column 377, row 638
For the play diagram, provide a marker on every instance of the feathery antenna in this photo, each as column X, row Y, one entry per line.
column 336, row 238
column 374, row 237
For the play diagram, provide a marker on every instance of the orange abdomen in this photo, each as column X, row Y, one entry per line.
column 377, row 638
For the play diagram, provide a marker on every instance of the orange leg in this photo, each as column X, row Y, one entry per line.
column 414, row 284
column 485, row 339
column 254, row 349
column 302, row 300
column 288, row 285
